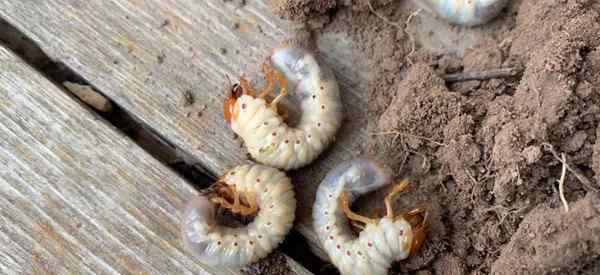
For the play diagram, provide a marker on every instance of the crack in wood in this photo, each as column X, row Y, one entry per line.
column 183, row 163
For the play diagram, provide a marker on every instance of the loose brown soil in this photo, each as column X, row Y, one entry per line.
column 484, row 153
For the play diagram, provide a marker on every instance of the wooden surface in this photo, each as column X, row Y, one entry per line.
column 77, row 197
column 145, row 54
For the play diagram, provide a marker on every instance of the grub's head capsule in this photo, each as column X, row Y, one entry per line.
column 229, row 103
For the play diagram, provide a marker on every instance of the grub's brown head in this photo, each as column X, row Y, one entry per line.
column 229, row 103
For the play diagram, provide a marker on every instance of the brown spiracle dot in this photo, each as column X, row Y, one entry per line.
column 401, row 232
column 257, row 179
column 266, row 123
column 286, row 141
column 244, row 106
column 318, row 124
column 348, row 253
column 331, row 237
column 269, row 223
column 322, row 107
column 274, row 134
column 322, row 88
column 314, row 96
column 251, row 242
column 370, row 244
column 219, row 243
column 259, row 236
column 338, row 246
column 235, row 244
column 232, row 173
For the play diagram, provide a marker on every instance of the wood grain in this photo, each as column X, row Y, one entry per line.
column 76, row 196
column 145, row 54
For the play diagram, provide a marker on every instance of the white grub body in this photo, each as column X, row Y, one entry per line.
column 464, row 12
column 268, row 138
column 378, row 245
column 218, row 245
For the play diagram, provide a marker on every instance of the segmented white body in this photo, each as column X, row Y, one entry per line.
column 465, row 12
column 268, row 138
column 218, row 245
column 377, row 246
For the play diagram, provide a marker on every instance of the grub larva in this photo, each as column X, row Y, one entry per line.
column 381, row 241
column 464, row 12
column 261, row 123
column 248, row 190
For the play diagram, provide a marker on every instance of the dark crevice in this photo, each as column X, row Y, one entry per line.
column 182, row 163
column 298, row 249
column 146, row 138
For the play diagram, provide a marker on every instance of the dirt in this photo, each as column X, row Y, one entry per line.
column 552, row 241
column 302, row 10
column 485, row 154
column 274, row 264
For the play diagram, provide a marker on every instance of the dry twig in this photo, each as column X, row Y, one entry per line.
column 483, row 75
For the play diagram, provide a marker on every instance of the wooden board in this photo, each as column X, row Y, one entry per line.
column 145, row 54
column 78, row 197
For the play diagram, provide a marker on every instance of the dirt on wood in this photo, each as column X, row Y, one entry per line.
column 484, row 154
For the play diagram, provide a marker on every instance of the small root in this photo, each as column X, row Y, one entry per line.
column 398, row 25
column 410, row 36
column 561, row 183
column 398, row 133
column 387, row 21
column 503, row 212
column 587, row 184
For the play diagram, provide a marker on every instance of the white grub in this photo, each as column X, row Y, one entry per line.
column 268, row 138
column 464, row 12
column 251, row 190
column 382, row 241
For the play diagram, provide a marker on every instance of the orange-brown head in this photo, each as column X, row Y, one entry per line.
column 418, row 221
column 229, row 103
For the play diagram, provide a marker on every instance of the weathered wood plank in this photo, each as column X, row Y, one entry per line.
column 145, row 54
column 78, row 197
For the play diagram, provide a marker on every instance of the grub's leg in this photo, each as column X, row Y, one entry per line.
column 389, row 204
column 269, row 76
column 247, row 87
column 345, row 205
column 236, row 201
column 357, row 225
column 222, row 202
column 418, row 221
column 282, row 89
column 228, row 192
column 237, row 206
column 252, row 206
